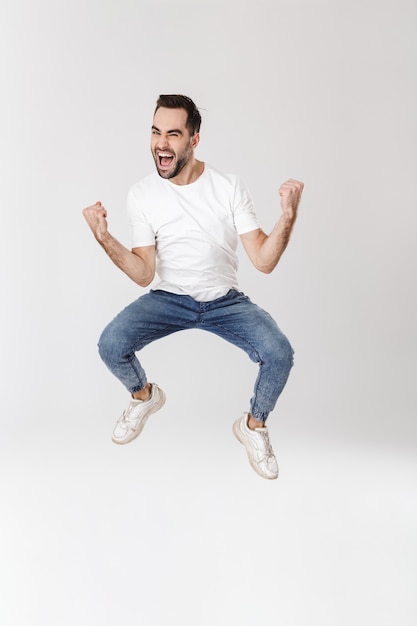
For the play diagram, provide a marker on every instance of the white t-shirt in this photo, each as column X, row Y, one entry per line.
column 195, row 230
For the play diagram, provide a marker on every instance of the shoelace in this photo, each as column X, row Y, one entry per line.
column 269, row 455
column 124, row 419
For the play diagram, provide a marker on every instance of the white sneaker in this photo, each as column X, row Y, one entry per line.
column 259, row 450
column 133, row 419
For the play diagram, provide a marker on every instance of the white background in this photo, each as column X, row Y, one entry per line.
column 176, row 528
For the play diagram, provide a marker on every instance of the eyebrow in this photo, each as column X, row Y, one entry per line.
column 173, row 130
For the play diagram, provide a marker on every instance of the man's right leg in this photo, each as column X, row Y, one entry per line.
column 152, row 316
column 136, row 326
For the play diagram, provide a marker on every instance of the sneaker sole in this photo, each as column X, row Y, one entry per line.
column 136, row 433
column 238, row 434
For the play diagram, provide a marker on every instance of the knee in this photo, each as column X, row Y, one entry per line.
column 281, row 352
column 288, row 352
column 108, row 345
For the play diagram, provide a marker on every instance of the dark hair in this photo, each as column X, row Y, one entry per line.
column 176, row 101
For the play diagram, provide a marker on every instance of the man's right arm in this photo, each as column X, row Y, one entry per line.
column 138, row 264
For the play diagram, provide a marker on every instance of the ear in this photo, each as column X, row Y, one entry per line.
column 195, row 140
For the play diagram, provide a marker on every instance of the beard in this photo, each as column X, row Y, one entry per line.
column 181, row 161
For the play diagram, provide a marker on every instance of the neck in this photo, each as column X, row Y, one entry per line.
column 189, row 173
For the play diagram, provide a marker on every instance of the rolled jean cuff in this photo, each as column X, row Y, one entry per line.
column 260, row 417
column 137, row 388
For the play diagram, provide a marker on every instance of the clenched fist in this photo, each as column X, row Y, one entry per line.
column 290, row 193
column 95, row 216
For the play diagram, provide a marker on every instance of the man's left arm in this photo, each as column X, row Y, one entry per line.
column 266, row 250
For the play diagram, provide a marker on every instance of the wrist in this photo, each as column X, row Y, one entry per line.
column 103, row 237
column 287, row 219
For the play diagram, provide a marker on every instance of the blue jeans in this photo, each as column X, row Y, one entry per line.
column 233, row 317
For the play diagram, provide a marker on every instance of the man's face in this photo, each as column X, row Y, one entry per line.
column 171, row 143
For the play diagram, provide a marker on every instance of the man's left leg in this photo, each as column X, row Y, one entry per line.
column 241, row 322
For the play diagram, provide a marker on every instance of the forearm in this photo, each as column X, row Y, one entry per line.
column 131, row 264
column 273, row 245
column 266, row 250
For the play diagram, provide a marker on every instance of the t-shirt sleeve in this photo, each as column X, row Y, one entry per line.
column 142, row 232
column 243, row 210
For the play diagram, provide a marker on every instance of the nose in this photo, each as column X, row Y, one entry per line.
column 162, row 142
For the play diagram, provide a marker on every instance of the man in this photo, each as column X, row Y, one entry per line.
column 186, row 218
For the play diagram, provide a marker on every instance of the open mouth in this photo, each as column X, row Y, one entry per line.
column 165, row 159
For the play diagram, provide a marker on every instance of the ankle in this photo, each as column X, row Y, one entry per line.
column 142, row 394
column 254, row 423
